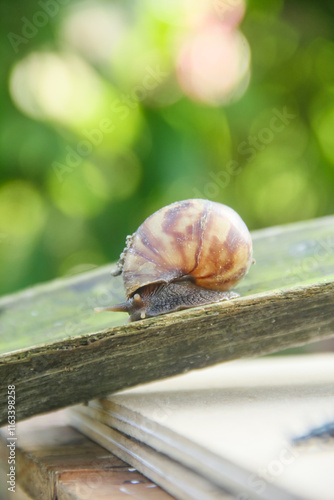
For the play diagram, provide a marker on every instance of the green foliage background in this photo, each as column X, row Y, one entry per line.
column 164, row 148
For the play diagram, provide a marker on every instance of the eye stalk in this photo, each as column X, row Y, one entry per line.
column 134, row 306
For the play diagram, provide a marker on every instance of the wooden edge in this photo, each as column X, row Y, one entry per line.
column 164, row 321
column 291, row 227
column 95, row 365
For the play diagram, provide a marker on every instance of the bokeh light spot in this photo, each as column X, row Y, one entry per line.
column 85, row 191
column 284, row 190
column 75, row 196
column 79, row 29
column 22, row 210
column 59, row 87
column 323, row 124
column 213, row 65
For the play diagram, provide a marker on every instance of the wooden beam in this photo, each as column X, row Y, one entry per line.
column 58, row 353
column 53, row 460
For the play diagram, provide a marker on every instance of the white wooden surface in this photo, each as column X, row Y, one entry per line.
column 242, row 413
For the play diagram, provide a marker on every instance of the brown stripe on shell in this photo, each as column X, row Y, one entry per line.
column 221, row 257
column 147, row 240
column 201, row 231
column 223, row 284
column 169, row 222
column 233, row 240
column 152, row 247
column 143, row 255
column 192, row 232
column 209, row 259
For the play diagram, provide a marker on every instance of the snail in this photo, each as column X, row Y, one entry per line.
column 186, row 254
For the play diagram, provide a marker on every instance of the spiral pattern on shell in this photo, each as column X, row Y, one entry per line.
column 202, row 240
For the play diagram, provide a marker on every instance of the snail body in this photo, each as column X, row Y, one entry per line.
column 187, row 254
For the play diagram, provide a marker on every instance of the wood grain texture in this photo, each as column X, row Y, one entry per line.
column 57, row 352
column 53, row 460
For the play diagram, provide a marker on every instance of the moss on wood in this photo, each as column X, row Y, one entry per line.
column 58, row 352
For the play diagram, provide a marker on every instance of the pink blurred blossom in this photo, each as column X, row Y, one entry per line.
column 214, row 58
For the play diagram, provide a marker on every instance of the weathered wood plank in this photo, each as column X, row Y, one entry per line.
column 54, row 460
column 58, row 353
column 285, row 256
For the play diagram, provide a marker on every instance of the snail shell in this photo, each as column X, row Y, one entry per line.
column 186, row 254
